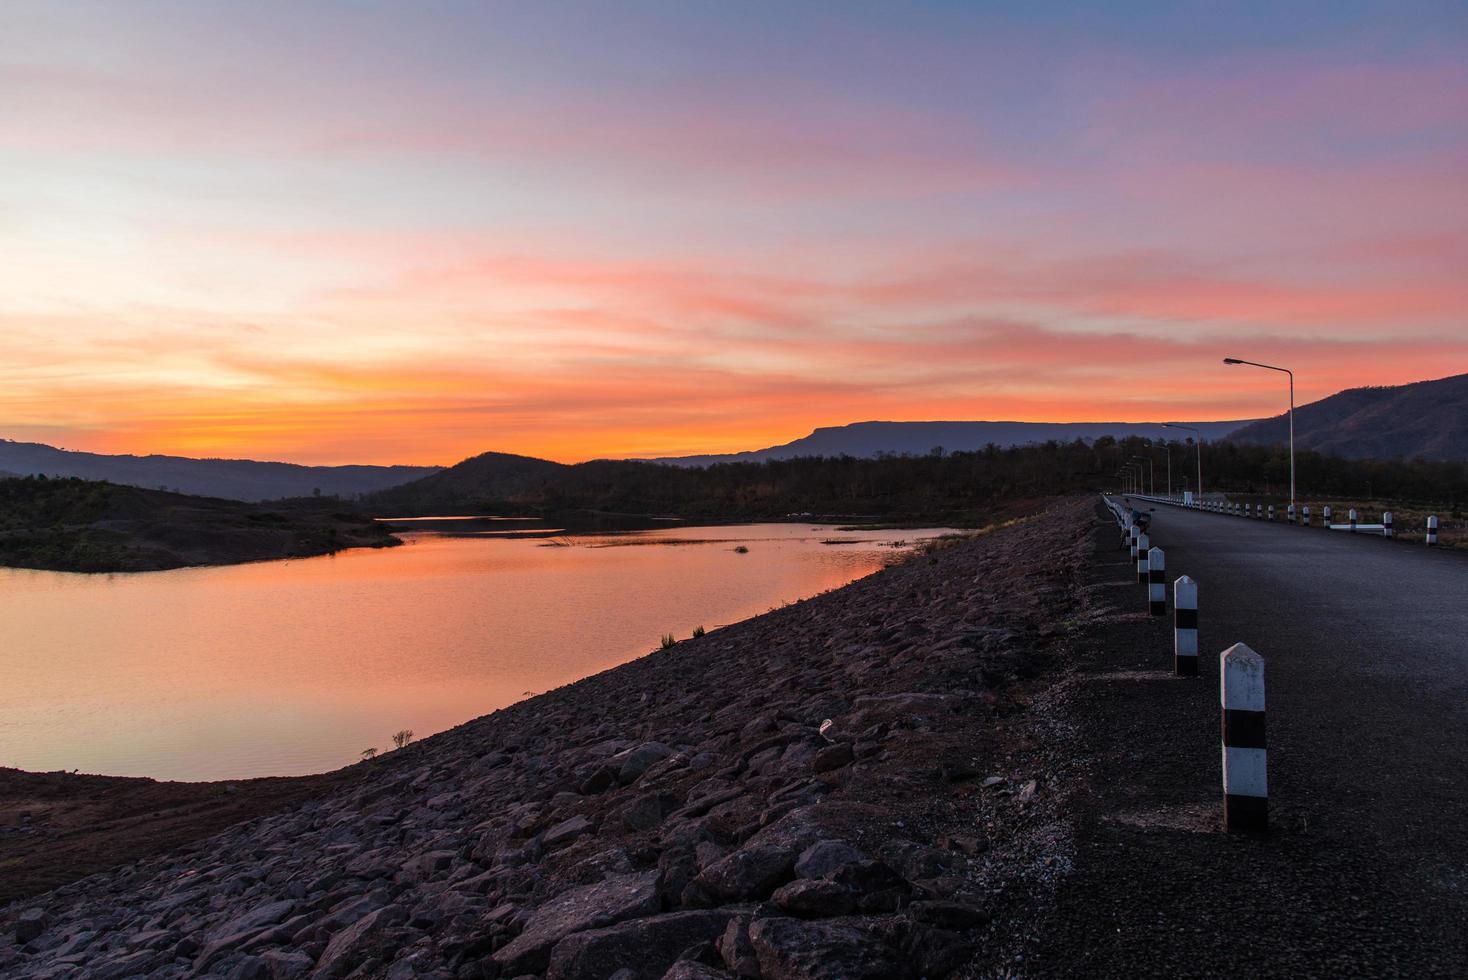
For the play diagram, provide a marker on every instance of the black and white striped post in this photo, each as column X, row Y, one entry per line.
column 1258, row 512
column 1142, row 545
column 1325, row 518
column 1185, row 627
column 1135, row 537
column 1387, row 531
column 1156, row 587
column 1305, row 515
column 1432, row 530
column 1245, row 765
column 1352, row 518
column 1290, row 511
column 1271, row 512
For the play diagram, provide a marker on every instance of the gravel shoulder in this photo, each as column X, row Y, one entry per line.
column 871, row 783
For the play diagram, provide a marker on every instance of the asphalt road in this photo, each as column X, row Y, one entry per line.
column 1365, row 871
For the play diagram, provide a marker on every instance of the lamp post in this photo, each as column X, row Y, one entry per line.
column 1168, row 450
column 1151, row 474
column 1271, row 367
column 1197, row 447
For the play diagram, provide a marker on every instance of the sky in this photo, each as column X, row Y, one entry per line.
column 410, row 233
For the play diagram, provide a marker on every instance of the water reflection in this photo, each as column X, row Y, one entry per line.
column 293, row 667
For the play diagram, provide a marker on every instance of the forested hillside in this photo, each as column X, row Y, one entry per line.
column 1428, row 419
column 951, row 487
column 93, row 526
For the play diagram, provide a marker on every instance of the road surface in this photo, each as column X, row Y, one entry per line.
column 1365, row 872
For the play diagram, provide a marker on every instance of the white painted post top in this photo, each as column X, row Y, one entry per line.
column 1185, row 593
column 1154, row 557
column 1243, row 679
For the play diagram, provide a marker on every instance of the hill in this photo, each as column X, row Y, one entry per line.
column 91, row 526
column 867, row 439
column 233, row 479
column 488, row 477
column 1426, row 419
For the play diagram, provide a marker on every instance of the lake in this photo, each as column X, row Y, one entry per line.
column 286, row 668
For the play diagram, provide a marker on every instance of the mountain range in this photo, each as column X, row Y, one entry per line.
column 235, row 479
column 921, row 438
column 1426, row 419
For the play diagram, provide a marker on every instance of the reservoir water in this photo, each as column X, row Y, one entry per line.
column 285, row 668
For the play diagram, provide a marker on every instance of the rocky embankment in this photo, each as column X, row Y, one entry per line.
column 856, row 786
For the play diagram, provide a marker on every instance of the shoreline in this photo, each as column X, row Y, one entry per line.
column 91, row 527
column 669, row 774
column 91, row 817
column 325, row 553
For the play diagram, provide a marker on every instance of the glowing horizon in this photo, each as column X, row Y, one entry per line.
column 340, row 233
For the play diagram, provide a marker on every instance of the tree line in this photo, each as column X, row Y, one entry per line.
column 952, row 487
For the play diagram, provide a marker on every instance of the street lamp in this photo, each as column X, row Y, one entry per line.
column 1168, row 449
column 1271, row 367
column 1198, row 448
column 1133, row 476
column 1151, row 474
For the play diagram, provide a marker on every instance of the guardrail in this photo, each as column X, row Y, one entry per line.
column 1385, row 528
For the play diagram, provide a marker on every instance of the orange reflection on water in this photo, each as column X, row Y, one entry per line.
column 293, row 667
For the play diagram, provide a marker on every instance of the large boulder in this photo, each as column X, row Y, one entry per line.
column 565, row 832
column 789, row 949
column 354, row 944
column 605, row 903
column 753, row 871
column 823, row 857
column 30, row 925
column 767, row 860
column 646, row 947
column 694, row 970
column 810, row 899
column 261, row 915
column 640, row 760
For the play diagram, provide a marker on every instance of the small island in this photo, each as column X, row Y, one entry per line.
column 75, row 525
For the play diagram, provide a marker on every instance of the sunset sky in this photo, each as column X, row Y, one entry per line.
column 365, row 232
